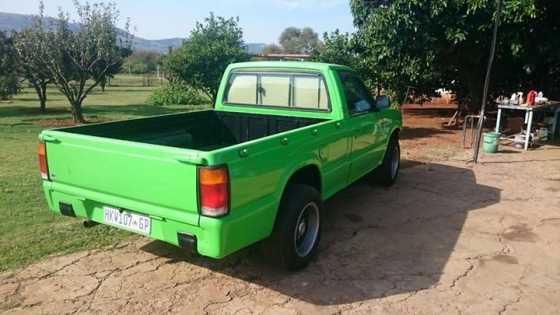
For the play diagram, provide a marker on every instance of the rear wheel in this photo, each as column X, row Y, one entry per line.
column 297, row 229
column 386, row 174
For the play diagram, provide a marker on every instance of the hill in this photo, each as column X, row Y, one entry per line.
column 17, row 22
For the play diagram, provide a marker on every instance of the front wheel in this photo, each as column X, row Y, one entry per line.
column 297, row 229
column 386, row 174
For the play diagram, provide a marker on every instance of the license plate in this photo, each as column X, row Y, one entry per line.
column 127, row 220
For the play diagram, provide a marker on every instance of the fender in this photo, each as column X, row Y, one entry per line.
column 396, row 123
column 312, row 160
column 394, row 129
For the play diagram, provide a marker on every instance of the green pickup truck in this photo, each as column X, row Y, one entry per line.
column 282, row 138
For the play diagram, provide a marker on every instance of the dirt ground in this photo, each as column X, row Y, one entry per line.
column 448, row 238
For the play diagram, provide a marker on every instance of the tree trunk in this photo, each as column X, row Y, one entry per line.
column 43, row 104
column 43, row 97
column 475, row 82
column 77, row 113
column 41, row 90
column 475, row 94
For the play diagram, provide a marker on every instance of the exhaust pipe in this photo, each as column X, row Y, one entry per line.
column 90, row 224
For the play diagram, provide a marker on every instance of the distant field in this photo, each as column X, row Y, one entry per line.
column 28, row 231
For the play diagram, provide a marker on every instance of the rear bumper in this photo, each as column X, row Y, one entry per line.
column 212, row 237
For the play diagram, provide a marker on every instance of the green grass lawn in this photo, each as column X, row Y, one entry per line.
column 28, row 230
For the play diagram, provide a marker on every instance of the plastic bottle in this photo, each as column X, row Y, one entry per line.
column 513, row 100
column 531, row 95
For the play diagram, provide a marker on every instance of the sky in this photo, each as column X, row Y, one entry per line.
column 262, row 21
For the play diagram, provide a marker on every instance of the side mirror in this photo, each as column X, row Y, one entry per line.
column 382, row 102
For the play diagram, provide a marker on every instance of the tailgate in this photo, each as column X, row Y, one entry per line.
column 152, row 176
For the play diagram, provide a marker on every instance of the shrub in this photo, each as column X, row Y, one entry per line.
column 178, row 94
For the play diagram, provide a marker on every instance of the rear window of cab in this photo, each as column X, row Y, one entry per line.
column 277, row 89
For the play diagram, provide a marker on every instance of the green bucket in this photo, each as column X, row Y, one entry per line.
column 491, row 141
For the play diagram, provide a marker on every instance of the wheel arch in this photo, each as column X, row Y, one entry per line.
column 396, row 132
column 306, row 174
column 309, row 174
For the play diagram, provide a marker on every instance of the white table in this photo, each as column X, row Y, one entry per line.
column 529, row 110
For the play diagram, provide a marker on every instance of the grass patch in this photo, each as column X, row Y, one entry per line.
column 28, row 230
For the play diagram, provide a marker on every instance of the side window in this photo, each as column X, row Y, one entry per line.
column 310, row 92
column 358, row 99
column 242, row 89
column 275, row 90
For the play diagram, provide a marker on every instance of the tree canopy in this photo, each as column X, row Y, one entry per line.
column 81, row 59
column 444, row 44
column 205, row 54
column 272, row 49
column 30, row 45
column 296, row 40
column 338, row 48
column 9, row 83
column 141, row 62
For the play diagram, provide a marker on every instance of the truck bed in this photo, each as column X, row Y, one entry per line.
column 204, row 130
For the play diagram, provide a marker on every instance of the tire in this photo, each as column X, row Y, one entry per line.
column 386, row 174
column 297, row 230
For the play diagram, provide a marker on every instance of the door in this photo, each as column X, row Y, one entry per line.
column 364, row 121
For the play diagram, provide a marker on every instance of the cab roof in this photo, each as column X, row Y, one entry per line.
column 317, row 66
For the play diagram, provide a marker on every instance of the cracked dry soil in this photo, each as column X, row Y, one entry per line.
column 447, row 238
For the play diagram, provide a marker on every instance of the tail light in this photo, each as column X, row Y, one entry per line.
column 213, row 191
column 43, row 167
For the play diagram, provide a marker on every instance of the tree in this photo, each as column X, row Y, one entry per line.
column 272, row 49
column 338, row 48
column 30, row 45
column 295, row 40
column 9, row 82
column 115, row 68
column 203, row 57
column 433, row 44
column 142, row 62
column 80, row 59
column 529, row 58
